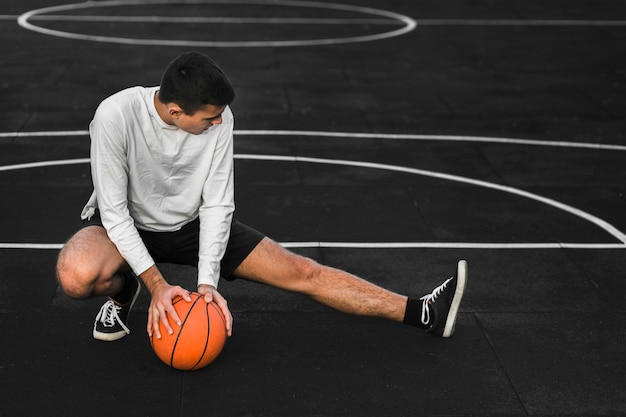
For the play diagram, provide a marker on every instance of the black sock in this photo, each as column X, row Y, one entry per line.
column 126, row 293
column 413, row 313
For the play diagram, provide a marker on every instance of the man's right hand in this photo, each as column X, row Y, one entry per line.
column 161, row 309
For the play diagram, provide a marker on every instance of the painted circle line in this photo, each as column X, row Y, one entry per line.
column 607, row 227
column 409, row 24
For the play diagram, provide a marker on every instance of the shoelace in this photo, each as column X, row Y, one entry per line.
column 108, row 315
column 431, row 298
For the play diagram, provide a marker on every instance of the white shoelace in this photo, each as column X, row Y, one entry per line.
column 430, row 298
column 108, row 315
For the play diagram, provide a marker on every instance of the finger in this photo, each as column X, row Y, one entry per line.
column 164, row 320
column 149, row 323
column 228, row 318
column 168, row 307
column 185, row 294
column 229, row 324
column 155, row 322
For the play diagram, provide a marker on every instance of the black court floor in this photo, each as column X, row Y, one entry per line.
column 389, row 139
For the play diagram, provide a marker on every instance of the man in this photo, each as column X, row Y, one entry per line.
column 162, row 169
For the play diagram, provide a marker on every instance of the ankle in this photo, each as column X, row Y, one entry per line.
column 413, row 314
column 125, row 295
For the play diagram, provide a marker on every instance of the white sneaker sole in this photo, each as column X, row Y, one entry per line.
column 461, row 282
column 108, row 337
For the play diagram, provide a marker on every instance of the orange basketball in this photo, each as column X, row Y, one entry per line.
column 198, row 340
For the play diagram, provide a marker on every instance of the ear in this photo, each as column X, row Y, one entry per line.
column 174, row 110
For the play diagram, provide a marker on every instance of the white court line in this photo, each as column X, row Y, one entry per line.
column 420, row 22
column 556, row 204
column 215, row 20
column 352, row 135
column 520, row 22
column 609, row 228
column 451, row 245
column 452, row 138
column 55, row 133
column 324, row 21
column 55, row 246
column 29, row 165
column 408, row 24
column 390, row 245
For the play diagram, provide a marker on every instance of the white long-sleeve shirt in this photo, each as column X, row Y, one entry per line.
column 153, row 176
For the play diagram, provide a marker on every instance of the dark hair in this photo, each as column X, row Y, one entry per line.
column 192, row 81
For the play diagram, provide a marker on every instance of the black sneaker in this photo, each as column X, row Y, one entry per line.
column 111, row 321
column 440, row 308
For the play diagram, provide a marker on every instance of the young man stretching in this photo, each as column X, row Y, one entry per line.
column 162, row 169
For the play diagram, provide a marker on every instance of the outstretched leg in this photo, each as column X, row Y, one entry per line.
column 271, row 264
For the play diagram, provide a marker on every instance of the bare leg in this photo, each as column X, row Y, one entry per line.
column 89, row 263
column 271, row 264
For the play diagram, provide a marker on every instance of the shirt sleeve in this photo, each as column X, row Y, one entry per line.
column 109, row 171
column 217, row 207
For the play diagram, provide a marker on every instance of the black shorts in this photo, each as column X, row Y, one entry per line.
column 182, row 246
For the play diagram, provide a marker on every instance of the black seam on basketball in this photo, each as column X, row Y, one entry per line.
column 219, row 313
column 182, row 325
column 208, row 334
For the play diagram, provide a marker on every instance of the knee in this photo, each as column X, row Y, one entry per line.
column 307, row 272
column 73, row 278
column 88, row 263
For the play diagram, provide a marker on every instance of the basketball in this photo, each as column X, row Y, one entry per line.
column 199, row 339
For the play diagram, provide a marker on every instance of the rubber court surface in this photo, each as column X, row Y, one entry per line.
column 389, row 139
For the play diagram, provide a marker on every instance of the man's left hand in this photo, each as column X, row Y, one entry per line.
column 211, row 294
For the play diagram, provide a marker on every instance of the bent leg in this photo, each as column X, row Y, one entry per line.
column 89, row 263
column 271, row 264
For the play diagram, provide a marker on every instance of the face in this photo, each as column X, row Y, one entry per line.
column 200, row 121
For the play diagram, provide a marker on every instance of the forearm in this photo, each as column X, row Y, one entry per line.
column 216, row 212
column 152, row 279
column 214, row 235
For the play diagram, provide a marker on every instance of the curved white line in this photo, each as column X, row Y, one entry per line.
column 451, row 138
column 352, row 135
column 396, row 168
column 409, row 24
column 511, row 190
column 44, row 164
